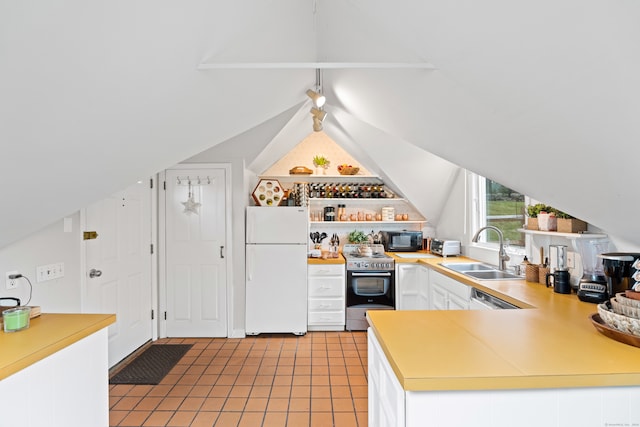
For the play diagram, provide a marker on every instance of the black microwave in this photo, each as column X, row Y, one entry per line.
column 401, row 241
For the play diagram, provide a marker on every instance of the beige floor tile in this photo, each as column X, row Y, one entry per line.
column 213, row 404
column 182, row 419
column 321, row 405
column 158, row 419
column 191, row 404
column 297, row 404
column 258, row 404
column 321, row 419
column 234, row 404
column 274, row 419
column 228, row 419
column 127, row 403
column 344, row 419
column 135, row 418
column 278, row 405
column 299, row 419
column 251, row 419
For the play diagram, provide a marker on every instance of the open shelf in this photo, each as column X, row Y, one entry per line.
column 368, row 222
column 565, row 235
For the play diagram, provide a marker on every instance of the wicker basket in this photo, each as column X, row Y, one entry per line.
column 348, row 171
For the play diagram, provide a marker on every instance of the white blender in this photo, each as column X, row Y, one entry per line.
column 593, row 284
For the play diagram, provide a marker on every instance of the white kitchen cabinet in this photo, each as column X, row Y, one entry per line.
column 447, row 293
column 326, row 297
column 391, row 406
column 412, row 287
column 386, row 396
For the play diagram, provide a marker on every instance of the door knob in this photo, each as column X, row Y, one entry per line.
column 94, row 273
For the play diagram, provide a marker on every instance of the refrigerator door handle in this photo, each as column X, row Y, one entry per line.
column 249, row 262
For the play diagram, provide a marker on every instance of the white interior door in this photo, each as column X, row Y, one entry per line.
column 118, row 264
column 195, row 264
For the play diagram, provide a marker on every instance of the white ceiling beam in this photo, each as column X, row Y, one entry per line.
column 315, row 65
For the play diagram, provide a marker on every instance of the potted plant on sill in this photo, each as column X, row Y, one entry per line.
column 532, row 215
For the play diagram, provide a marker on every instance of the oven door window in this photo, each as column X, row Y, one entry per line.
column 368, row 285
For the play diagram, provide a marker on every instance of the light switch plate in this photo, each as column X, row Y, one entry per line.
column 49, row 272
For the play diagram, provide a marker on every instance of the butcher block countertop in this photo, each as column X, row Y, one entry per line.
column 550, row 343
column 46, row 335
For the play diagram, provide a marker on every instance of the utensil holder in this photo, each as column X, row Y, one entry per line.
column 542, row 275
column 531, row 273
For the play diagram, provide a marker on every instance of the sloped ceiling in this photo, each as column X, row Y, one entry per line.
column 540, row 96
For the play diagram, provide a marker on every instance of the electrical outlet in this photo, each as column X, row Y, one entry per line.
column 571, row 261
column 11, row 283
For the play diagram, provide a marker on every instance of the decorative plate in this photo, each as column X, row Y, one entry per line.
column 268, row 192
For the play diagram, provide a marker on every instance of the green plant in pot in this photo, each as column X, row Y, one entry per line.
column 357, row 237
column 568, row 223
column 321, row 161
column 533, row 211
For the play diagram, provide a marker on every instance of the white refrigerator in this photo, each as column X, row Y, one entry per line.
column 276, row 270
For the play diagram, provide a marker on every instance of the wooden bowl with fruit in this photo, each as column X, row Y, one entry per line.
column 345, row 169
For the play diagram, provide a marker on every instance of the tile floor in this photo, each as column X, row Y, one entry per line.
column 315, row 380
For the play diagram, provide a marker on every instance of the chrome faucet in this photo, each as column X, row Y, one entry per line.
column 502, row 254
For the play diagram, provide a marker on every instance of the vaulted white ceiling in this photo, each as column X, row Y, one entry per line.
column 541, row 96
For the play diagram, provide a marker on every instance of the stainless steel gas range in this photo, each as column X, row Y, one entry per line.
column 370, row 283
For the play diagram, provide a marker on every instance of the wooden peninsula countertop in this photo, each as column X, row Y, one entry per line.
column 46, row 335
column 550, row 343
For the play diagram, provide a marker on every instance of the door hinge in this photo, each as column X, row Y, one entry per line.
column 151, row 183
column 151, row 245
column 165, row 315
column 153, row 315
column 164, row 185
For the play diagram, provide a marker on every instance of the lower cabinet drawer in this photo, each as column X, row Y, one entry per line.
column 317, row 304
column 326, row 318
column 326, row 286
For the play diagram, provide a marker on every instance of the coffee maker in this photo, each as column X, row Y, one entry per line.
column 593, row 284
column 619, row 269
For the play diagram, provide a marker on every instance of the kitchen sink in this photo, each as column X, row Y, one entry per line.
column 480, row 271
column 462, row 267
column 492, row 275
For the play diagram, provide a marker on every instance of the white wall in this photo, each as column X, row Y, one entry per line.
column 47, row 246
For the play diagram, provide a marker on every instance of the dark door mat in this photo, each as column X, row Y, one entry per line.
column 151, row 366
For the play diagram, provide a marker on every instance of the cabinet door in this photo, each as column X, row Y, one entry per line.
column 423, row 288
column 386, row 398
column 438, row 297
column 445, row 289
column 457, row 303
column 407, row 284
